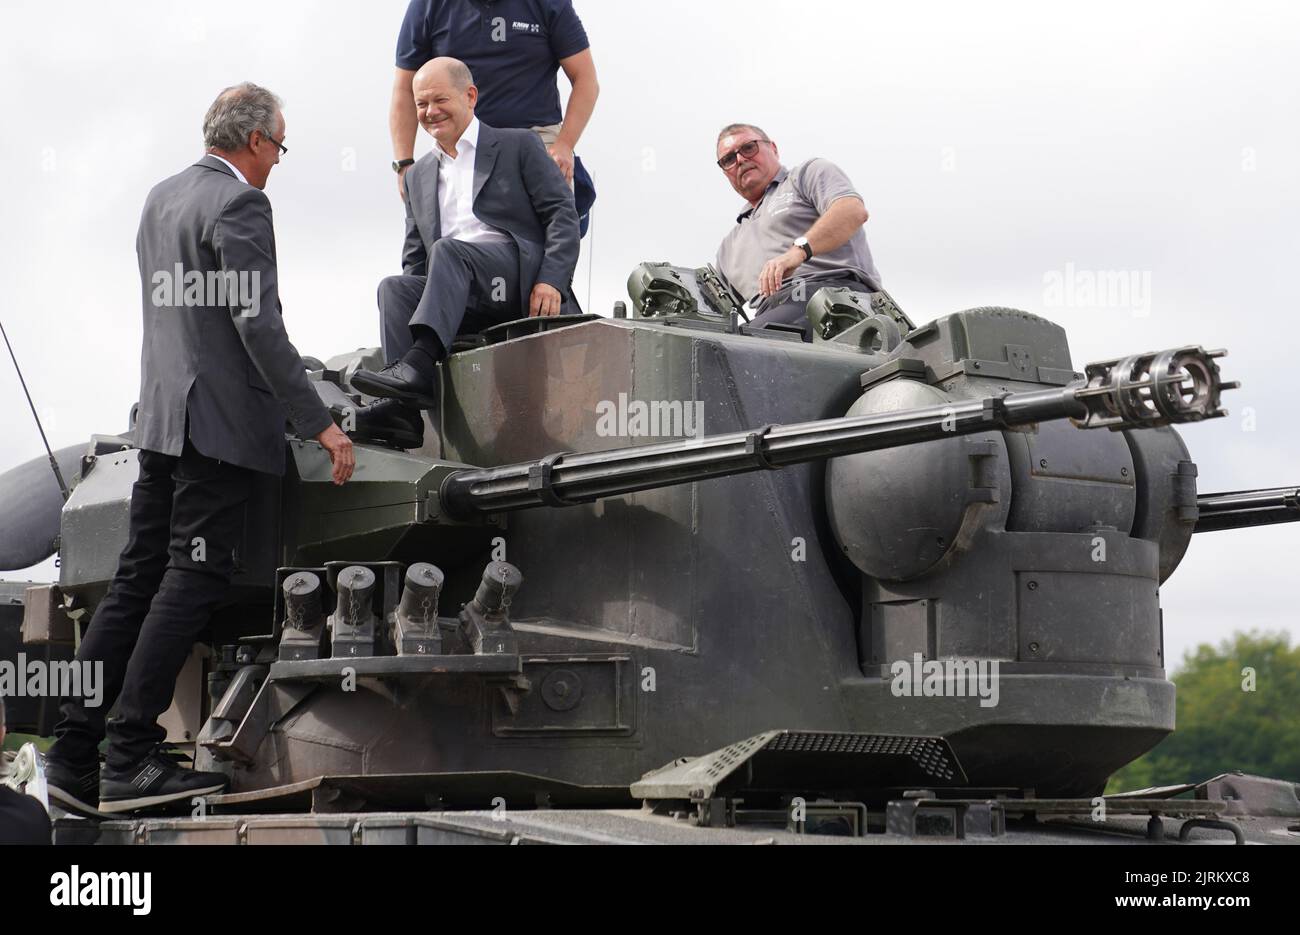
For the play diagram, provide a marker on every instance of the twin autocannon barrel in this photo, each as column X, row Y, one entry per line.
column 1242, row 508
column 1159, row 388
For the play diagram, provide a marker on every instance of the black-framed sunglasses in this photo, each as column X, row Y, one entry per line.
column 747, row 149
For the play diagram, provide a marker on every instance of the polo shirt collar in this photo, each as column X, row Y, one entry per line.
column 777, row 179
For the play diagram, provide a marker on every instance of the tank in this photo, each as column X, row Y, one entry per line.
column 662, row 557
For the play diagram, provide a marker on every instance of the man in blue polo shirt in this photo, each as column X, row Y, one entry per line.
column 514, row 49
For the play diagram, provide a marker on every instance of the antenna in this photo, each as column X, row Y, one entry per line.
column 58, row 475
column 591, row 250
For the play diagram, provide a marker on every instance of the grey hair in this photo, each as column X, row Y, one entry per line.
column 236, row 113
column 734, row 127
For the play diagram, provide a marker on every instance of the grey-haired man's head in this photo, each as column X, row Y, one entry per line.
column 245, row 125
column 749, row 159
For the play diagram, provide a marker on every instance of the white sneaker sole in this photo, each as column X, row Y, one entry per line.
column 149, row 801
column 70, row 803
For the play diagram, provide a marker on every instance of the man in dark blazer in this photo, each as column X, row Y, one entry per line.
column 491, row 235
column 218, row 377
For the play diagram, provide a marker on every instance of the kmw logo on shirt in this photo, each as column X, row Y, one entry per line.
column 521, row 26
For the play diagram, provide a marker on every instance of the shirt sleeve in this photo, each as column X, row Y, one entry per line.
column 821, row 183
column 414, row 39
column 567, row 35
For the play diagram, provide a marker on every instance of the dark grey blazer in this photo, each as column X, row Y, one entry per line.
column 519, row 189
column 233, row 374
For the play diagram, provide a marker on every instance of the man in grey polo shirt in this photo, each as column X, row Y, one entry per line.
column 801, row 231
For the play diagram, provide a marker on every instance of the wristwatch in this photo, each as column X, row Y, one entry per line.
column 401, row 164
column 803, row 244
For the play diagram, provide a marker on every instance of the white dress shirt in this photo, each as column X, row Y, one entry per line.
column 456, row 192
column 233, row 168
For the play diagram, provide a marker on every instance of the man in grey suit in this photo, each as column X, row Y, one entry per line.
column 217, row 378
column 491, row 235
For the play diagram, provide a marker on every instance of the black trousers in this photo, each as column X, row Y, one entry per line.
column 470, row 286
column 187, row 517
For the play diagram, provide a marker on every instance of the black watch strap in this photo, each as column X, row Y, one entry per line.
column 401, row 164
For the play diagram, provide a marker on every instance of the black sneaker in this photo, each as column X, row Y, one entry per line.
column 158, row 779
column 75, row 787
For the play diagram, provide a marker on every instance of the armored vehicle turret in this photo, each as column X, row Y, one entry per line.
column 891, row 558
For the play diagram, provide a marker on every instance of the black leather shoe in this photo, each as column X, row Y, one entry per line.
column 74, row 786
column 398, row 381
column 392, row 421
column 156, row 780
column 389, row 422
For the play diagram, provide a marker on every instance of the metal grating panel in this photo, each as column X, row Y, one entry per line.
column 728, row 758
column 929, row 753
column 805, row 761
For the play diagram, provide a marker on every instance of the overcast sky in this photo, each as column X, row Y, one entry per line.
column 1004, row 150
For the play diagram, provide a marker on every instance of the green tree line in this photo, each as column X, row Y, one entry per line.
column 1238, row 708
